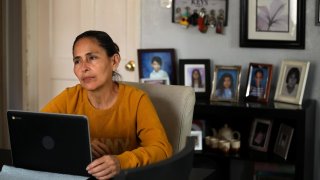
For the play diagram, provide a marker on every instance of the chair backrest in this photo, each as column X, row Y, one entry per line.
column 175, row 105
column 177, row 167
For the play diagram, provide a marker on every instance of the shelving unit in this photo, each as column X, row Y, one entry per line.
column 240, row 116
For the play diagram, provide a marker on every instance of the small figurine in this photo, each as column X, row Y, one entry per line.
column 212, row 18
column 203, row 21
column 220, row 21
column 193, row 19
column 178, row 15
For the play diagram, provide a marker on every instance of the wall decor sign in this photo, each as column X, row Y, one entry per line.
column 203, row 14
column 272, row 23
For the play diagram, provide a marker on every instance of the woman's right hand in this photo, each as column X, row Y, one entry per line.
column 98, row 149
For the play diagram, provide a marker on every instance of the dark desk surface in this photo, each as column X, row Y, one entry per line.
column 196, row 173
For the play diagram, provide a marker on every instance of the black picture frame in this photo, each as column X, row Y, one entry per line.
column 198, row 5
column 187, row 67
column 265, row 71
column 168, row 64
column 283, row 141
column 289, row 36
column 317, row 20
column 260, row 134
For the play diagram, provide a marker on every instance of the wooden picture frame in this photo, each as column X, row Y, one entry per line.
column 163, row 58
column 264, row 25
column 283, row 140
column 291, row 90
column 258, row 82
column 260, row 134
column 317, row 19
column 198, row 140
column 232, row 74
column 184, row 9
column 188, row 68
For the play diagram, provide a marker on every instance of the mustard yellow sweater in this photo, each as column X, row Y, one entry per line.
column 130, row 128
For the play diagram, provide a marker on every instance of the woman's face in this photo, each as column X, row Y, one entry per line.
column 195, row 75
column 227, row 82
column 292, row 80
column 92, row 66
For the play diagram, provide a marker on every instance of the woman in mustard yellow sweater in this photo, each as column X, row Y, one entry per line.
column 124, row 126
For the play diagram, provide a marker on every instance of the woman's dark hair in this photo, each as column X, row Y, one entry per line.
column 221, row 80
column 157, row 59
column 104, row 41
column 293, row 71
column 200, row 78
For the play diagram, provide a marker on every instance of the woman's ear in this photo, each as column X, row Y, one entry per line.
column 115, row 61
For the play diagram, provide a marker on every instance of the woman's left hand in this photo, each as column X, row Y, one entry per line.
column 105, row 167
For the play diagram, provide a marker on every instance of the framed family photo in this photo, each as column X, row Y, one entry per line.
column 157, row 64
column 190, row 11
column 283, row 141
column 226, row 83
column 198, row 140
column 272, row 23
column 260, row 134
column 258, row 82
column 195, row 73
column 292, row 81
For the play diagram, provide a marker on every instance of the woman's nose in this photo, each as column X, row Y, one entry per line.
column 84, row 66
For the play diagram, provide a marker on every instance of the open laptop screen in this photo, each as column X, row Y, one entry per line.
column 50, row 142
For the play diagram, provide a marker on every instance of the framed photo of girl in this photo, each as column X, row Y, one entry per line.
column 195, row 73
column 292, row 81
column 258, row 82
column 157, row 64
column 260, row 134
column 226, row 83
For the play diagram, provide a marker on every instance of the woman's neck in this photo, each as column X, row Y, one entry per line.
column 104, row 97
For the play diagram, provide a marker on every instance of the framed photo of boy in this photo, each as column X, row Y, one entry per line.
column 292, row 81
column 198, row 140
column 226, row 83
column 157, row 64
column 195, row 73
column 283, row 141
column 258, row 82
column 260, row 134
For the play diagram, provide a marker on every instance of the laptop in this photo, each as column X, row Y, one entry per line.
column 50, row 142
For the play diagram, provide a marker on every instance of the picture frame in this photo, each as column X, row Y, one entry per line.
column 260, row 134
column 263, row 27
column 291, row 90
column 162, row 59
column 189, row 69
column 232, row 74
column 198, row 140
column 199, row 125
column 183, row 9
column 317, row 19
column 258, row 82
column 283, row 140
column 164, row 81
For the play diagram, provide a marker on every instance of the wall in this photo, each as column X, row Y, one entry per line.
column 157, row 31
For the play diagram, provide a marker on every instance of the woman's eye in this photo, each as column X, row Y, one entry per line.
column 76, row 61
column 92, row 57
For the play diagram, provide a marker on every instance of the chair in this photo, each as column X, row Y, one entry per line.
column 178, row 166
column 175, row 105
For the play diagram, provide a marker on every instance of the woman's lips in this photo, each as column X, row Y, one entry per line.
column 87, row 79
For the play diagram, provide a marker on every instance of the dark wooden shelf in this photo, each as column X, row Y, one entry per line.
column 239, row 116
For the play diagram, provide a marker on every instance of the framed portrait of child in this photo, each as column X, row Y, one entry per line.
column 292, row 81
column 258, row 82
column 156, row 64
column 226, row 83
column 195, row 73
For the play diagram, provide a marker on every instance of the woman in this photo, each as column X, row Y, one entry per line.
column 124, row 127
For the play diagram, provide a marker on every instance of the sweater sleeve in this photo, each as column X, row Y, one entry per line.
column 154, row 144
